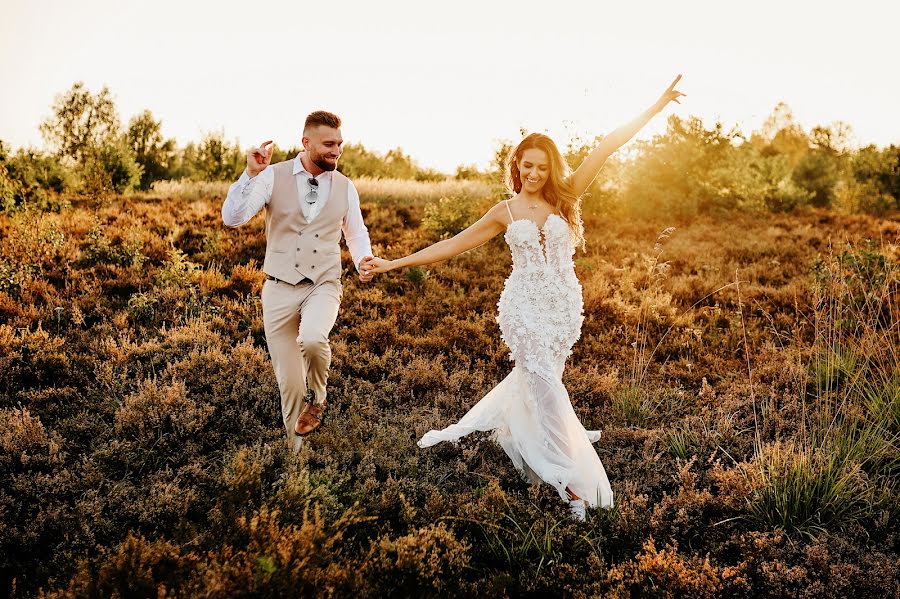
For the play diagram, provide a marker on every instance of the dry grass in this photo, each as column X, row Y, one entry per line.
column 405, row 192
column 392, row 191
column 141, row 445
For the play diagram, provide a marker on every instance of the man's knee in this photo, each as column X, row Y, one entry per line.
column 313, row 344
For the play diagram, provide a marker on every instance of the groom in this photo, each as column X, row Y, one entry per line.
column 308, row 205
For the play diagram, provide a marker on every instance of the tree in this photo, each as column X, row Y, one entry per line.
column 782, row 135
column 84, row 129
column 357, row 161
column 10, row 189
column 151, row 151
column 826, row 162
column 218, row 160
column 81, row 122
column 113, row 167
column 674, row 173
column 836, row 138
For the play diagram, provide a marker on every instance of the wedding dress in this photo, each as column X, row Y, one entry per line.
column 529, row 412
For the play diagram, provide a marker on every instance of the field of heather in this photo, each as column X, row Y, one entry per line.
column 743, row 369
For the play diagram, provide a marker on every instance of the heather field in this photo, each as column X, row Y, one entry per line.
column 743, row 368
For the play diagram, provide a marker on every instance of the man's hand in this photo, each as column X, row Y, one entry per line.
column 259, row 158
column 365, row 274
column 372, row 266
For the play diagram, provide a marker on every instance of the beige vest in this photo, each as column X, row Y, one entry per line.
column 296, row 248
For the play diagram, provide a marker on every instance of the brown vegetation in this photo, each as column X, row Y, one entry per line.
column 750, row 432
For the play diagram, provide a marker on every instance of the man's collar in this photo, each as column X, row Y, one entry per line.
column 299, row 168
column 298, row 165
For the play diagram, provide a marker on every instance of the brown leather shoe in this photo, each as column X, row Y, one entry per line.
column 310, row 418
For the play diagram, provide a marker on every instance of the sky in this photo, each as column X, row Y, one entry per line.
column 447, row 82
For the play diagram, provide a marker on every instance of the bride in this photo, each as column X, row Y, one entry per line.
column 540, row 315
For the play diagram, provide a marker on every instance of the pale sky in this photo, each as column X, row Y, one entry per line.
column 446, row 81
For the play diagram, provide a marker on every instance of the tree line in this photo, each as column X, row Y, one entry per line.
column 690, row 168
column 91, row 151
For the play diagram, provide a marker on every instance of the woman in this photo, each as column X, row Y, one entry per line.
column 540, row 315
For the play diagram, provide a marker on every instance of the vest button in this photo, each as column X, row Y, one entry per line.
column 313, row 266
column 314, row 251
column 317, row 234
column 296, row 266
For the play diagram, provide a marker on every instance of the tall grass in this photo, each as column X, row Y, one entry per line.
column 398, row 192
column 190, row 190
column 840, row 470
column 403, row 192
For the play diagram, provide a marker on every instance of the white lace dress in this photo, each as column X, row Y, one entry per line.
column 529, row 411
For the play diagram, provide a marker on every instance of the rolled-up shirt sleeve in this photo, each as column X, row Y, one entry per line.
column 246, row 197
column 355, row 232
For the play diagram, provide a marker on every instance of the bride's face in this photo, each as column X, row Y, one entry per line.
column 534, row 169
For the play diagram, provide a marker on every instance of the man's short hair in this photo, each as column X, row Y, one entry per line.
column 321, row 117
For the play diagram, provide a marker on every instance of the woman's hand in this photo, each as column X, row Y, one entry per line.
column 670, row 95
column 584, row 175
column 371, row 265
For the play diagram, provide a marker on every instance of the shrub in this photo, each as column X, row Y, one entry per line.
column 25, row 445
column 136, row 568
column 160, row 421
column 109, row 168
column 425, row 563
column 10, row 189
column 449, row 215
column 33, row 179
column 152, row 457
column 664, row 572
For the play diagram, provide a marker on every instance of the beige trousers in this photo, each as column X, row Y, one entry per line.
column 297, row 320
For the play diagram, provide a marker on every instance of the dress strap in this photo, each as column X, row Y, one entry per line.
column 511, row 219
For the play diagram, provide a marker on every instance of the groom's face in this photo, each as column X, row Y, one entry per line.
column 323, row 145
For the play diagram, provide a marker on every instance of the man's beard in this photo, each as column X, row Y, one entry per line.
column 324, row 164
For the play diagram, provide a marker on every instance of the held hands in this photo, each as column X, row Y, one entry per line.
column 371, row 266
column 670, row 95
column 259, row 158
column 367, row 270
column 364, row 275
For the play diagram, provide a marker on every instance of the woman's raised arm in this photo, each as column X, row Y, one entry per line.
column 584, row 175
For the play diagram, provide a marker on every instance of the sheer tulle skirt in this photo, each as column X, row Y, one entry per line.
column 532, row 419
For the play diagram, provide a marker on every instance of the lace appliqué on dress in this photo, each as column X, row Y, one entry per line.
column 540, row 313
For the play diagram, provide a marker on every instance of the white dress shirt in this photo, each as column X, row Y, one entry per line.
column 246, row 197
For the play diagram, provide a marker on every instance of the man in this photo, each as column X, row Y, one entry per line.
column 308, row 205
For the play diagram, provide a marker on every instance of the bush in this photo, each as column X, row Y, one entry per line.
column 161, row 420
column 110, row 168
column 10, row 189
column 213, row 159
column 674, row 172
column 151, row 152
column 449, row 215
column 31, row 178
column 427, row 562
column 37, row 170
column 356, row 161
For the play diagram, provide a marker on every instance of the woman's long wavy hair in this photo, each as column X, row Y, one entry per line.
column 557, row 191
